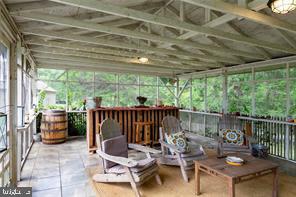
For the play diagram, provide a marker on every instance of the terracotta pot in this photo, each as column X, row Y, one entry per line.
column 93, row 102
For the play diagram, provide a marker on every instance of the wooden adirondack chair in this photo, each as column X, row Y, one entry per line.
column 171, row 154
column 231, row 122
column 113, row 149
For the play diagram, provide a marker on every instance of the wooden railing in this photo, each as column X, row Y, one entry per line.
column 274, row 132
column 25, row 142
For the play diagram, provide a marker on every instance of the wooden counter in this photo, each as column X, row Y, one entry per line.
column 126, row 116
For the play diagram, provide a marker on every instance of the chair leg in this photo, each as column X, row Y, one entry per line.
column 135, row 188
column 182, row 167
column 158, row 180
column 132, row 182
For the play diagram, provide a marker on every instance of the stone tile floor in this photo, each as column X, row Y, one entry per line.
column 61, row 170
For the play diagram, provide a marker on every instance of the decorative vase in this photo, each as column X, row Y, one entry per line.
column 141, row 100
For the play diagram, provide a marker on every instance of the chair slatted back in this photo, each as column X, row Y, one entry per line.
column 171, row 124
column 109, row 129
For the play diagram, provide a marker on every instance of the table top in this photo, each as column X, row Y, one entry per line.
column 252, row 165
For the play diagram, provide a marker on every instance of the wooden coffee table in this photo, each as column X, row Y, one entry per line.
column 253, row 168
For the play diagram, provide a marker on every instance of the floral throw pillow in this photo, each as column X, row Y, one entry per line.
column 232, row 136
column 179, row 140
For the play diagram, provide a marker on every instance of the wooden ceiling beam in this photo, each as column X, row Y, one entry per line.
column 138, row 15
column 43, row 63
column 32, row 6
column 70, row 22
column 58, row 51
column 104, row 42
column 289, row 39
column 62, row 59
column 79, row 47
column 224, row 19
column 210, row 39
column 246, row 13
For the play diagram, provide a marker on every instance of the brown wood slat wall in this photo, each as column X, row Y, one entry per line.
column 126, row 118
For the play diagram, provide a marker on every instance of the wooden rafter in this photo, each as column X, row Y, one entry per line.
column 104, row 42
column 70, row 22
column 137, row 15
column 211, row 39
column 42, row 63
column 224, row 19
column 58, row 51
column 236, row 10
column 69, row 60
column 79, row 47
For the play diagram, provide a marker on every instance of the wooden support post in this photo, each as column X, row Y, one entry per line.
column 191, row 107
column 288, row 105
column 67, row 90
column 225, row 97
column 117, row 89
column 157, row 91
column 13, row 142
column 206, row 103
column 253, row 92
column 177, row 98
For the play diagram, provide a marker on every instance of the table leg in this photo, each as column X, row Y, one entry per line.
column 197, row 179
column 231, row 187
column 275, row 182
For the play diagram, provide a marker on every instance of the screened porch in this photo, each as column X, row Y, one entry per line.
column 148, row 97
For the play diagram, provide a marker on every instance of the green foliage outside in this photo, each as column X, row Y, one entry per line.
column 90, row 84
column 42, row 95
column 270, row 90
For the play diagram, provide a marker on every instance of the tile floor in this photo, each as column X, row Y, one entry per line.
column 61, row 170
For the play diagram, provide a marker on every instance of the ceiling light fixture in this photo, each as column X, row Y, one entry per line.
column 143, row 59
column 282, row 6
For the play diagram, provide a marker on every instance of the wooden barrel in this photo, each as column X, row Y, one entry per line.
column 54, row 126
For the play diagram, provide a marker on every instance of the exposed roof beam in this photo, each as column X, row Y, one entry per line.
column 104, row 42
column 211, row 39
column 79, row 47
column 256, row 5
column 61, row 59
column 259, row 64
column 70, row 22
column 31, row 6
column 95, row 17
column 216, row 22
column 289, row 39
column 137, row 15
column 45, row 63
column 234, row 9
column 58, row 51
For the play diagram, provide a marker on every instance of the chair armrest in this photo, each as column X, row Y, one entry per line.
column 144, row 149
column 170, row 146
column 119, row 160
column 190, row 136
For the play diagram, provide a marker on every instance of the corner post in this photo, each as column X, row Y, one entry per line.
column 12, row 128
